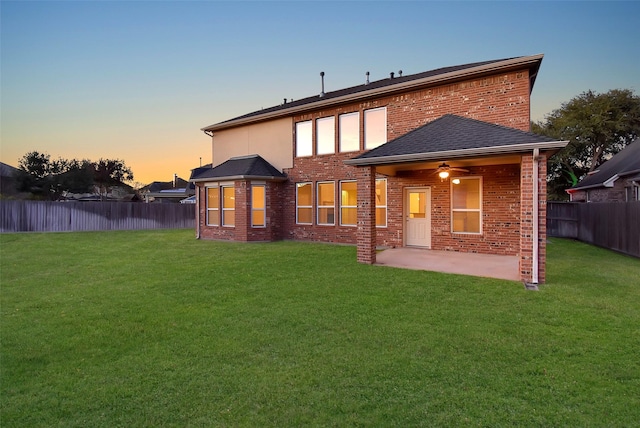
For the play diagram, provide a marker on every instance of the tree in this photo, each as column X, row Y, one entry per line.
column 111, row 172
column 49, row 179
column 597, row 127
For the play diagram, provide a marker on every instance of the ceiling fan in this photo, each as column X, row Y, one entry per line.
column 444, row 170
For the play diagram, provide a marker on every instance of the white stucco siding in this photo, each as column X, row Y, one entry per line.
column 273, row 140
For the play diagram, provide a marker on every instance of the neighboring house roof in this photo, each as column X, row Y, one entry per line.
column 158, row 186
column 252, row 167
column 452, row 136
column 7, row 170
column 388, row 86
column 624, row 163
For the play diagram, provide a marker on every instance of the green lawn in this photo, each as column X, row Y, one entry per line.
column 156, row 328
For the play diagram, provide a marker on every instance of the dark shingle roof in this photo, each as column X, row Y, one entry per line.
column 449, row 133
column 626, row 161
column 246, row 167
column 534, row 64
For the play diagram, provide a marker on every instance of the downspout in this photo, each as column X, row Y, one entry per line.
column 536, row 244
column 197, row 211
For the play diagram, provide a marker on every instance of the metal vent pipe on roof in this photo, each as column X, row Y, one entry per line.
column 391, row 75
column 400, row 73
column 322, row 79
column 367, row 81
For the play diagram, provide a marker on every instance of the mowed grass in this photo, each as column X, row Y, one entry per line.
column 156, row 328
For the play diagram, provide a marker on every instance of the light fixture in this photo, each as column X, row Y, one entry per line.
column 456, row 181
column 443, row 174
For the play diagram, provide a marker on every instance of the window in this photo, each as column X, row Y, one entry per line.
column 349, row 132
column 304, row 208
column 213, row 206
column 258, row 205
column 348, row 203
column 466, row 203
column 326, row 203
column 304, row 144
column 228, row 206
column 381, row 202
column 325, row 136
column 375, row 128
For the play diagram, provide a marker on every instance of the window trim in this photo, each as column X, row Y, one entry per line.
column 333, row 135
column 385, row 206
column 217, row 209
column 298, row 206
column 353, row 113
column 318, row 206
column 364, row 119
column 348, row 206
column 309, row 144
column 222, row 188
column 264, row 206
column 478, row 210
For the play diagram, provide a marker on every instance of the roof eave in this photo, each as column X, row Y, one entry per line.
column 457, row 154
column 606, row 183
column 404, row 86
column 238, row 177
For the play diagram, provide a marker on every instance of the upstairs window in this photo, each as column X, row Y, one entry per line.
column 304, row 140
column 326, row 203
column 258, row 205
column 348, row 203
column 228, row 206
column 375, row 128
column 466, row 205
column 304, row 203
column 325, row 136
column 349, row 132
column 213, row 206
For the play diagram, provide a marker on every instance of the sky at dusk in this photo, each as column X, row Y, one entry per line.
column 137, row 80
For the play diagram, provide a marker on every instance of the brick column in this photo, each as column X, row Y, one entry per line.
column 366, row 214
column 542, row 218
column 242, row 190
column 526, row 218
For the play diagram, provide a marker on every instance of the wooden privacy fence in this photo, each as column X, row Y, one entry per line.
column 36, row 216
column 613, row 225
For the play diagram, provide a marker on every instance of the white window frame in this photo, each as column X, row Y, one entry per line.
column 298, row 206
column 304, row 139
column 348, row 206
column 325, row 147
column 367, row 144
column 386, row 209
column 209, row 210
column 264, row 205
column 340, row 134
column 223, row 209
column 478, row 210
column 319, row 207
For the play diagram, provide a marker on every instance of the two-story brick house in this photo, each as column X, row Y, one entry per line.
column 441, row 160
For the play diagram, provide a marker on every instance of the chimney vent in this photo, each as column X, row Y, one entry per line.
column 367, row 81
column 400, row 73
column 391, row 75
column 322, row 79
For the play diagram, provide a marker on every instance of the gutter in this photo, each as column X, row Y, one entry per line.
column 385, row 90
column 238, row 177
column 454, row 154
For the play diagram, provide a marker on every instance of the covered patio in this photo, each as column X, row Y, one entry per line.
column 485, row 265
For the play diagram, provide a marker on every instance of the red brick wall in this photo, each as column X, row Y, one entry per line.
column 243, row 231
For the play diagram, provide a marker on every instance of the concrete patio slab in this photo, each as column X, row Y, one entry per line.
column 487, row 265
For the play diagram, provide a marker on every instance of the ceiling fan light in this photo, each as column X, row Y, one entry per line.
column 443, row 174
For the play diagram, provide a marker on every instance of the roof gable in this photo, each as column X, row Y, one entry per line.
column 449, row 134
column 252, row 167
column 625, row 162
column 387, row 86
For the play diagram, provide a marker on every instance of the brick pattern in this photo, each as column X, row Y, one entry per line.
column 526, row 218
column 243, row 231
column 366, row 215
